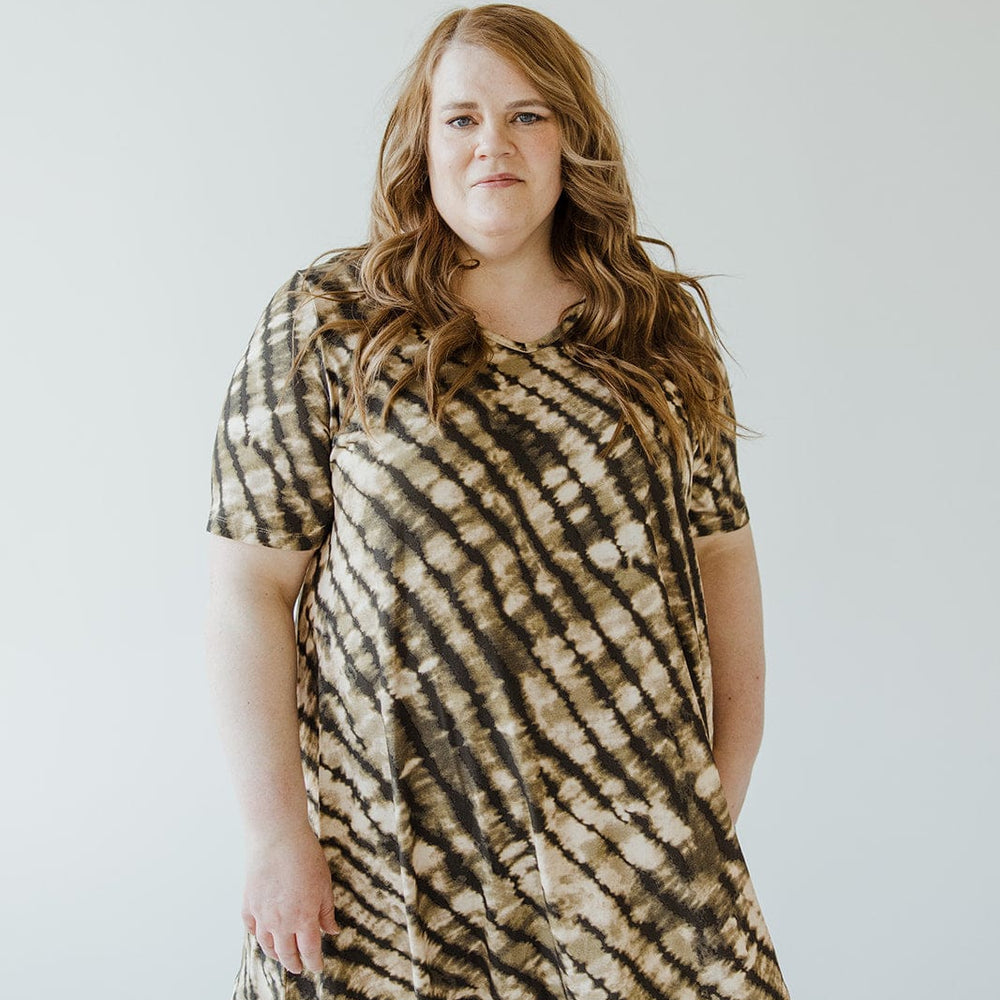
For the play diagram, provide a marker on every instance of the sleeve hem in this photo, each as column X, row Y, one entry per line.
column 268, row 540
column 720, row 526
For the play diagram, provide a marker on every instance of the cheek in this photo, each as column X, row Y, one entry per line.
column 549, row 153
column 444, row 165
column 444, row 182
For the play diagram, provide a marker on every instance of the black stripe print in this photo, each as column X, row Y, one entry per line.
column 504, row 687
column 547, row 751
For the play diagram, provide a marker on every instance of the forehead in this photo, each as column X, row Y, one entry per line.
column 469, row 72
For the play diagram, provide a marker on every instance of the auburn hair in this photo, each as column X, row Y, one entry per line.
column 639, row 324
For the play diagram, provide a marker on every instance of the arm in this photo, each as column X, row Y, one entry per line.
column 731, row 584
column 250, row 640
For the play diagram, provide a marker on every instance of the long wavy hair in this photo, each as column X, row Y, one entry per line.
column 638, row 325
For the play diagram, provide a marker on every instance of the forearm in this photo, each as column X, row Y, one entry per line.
column 252, row 663
column 731, row 585
column 737, row 740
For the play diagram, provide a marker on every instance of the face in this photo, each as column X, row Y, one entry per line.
column 493, row 154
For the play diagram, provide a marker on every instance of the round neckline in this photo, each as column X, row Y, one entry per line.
column 528, row 346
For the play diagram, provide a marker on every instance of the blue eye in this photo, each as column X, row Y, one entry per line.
column 521, row 118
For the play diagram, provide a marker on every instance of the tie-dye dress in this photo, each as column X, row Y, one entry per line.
column 504, row 686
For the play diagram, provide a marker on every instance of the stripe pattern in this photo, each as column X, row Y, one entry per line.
column 504, row 686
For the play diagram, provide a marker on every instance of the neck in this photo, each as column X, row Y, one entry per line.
column 508, row 277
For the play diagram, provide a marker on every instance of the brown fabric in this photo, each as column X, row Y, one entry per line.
column 504, row 684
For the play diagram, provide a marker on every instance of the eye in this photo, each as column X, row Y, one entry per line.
column 460, row 122
column 527, row 117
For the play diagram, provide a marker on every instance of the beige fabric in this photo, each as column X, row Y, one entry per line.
column 504, row 683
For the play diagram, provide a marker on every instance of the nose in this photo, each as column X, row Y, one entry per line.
column 494, row 139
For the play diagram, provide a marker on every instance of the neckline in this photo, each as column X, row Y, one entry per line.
column 528, row 346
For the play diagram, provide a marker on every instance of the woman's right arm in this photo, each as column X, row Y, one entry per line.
column 250, row 640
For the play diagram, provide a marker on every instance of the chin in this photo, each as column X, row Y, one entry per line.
column 499, row 237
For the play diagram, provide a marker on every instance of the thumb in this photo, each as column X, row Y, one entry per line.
column 327, row 920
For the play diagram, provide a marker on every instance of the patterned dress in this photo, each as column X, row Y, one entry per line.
column 504, row 686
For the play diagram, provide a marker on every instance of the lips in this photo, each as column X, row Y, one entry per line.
column 497, row 179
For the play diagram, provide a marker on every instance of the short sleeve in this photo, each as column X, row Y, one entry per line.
column 716, row 501
column 270, row 465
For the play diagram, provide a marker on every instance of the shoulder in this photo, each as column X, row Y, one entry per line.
column 334, row 277
column 315, row 306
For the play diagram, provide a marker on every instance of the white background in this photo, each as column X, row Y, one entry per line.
column 167, row 166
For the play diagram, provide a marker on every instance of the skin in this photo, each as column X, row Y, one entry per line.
column 250, row 645
column 487, row 118
column 250, row 640
column 727, row 562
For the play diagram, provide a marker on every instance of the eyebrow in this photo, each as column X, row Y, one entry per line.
column 473, row 106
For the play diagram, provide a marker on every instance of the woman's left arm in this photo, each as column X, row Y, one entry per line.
column 731, row 584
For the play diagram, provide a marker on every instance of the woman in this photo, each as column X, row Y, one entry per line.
column 490, row 456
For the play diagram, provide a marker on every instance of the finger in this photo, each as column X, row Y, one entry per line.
column 310, row 946
column 266, row 941
column 288, row 952
column 327, row 920
column 249, row 923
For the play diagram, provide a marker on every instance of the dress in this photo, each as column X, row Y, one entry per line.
column 504, row 686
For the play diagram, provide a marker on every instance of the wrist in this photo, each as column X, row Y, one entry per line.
column 277, row 826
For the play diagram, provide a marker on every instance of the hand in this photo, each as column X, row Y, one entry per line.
column 288, row 898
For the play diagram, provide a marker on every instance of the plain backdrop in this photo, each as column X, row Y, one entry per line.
column 166, row 167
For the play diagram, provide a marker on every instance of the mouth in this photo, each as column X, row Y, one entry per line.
column 497, row 180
